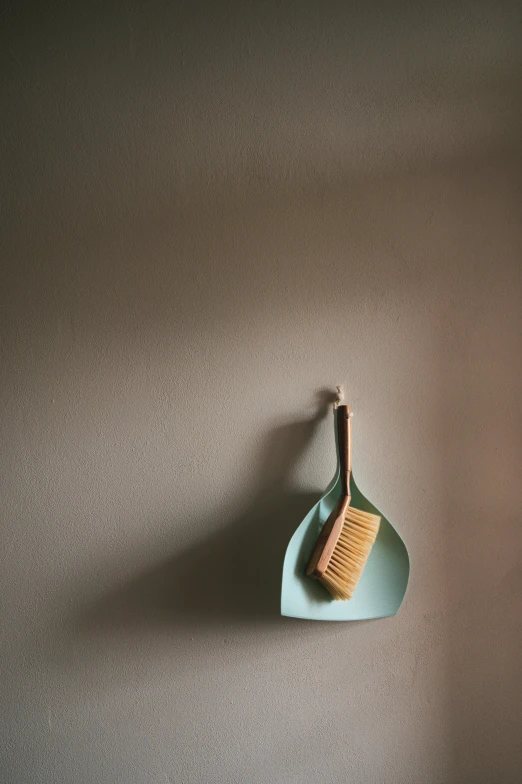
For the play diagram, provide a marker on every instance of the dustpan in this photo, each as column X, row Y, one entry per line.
column 382, row 586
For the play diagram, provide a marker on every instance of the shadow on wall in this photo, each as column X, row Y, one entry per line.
column 232, row 577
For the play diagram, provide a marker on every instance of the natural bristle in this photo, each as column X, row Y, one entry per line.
column 351, row 552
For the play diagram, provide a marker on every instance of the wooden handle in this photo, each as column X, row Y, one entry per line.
column 331, row 531
column 344, row 437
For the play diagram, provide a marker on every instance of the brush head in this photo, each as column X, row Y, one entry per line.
column 343, row 547
column 350, row 553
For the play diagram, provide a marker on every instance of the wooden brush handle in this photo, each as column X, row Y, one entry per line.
column 331, row 531
column 344, row 437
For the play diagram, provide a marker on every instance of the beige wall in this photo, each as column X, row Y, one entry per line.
column 210, row 216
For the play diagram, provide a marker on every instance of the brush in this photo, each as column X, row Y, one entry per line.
column 344, row 544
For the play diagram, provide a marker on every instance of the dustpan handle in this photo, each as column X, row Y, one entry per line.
column 344, row 440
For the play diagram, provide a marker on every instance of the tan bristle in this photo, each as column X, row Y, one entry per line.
column 351, row 552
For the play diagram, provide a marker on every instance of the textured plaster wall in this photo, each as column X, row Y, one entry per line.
column 211, row 214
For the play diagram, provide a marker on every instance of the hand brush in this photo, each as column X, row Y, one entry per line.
column 344, row 544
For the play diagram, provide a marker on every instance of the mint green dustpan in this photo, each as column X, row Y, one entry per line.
column 383, row 583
